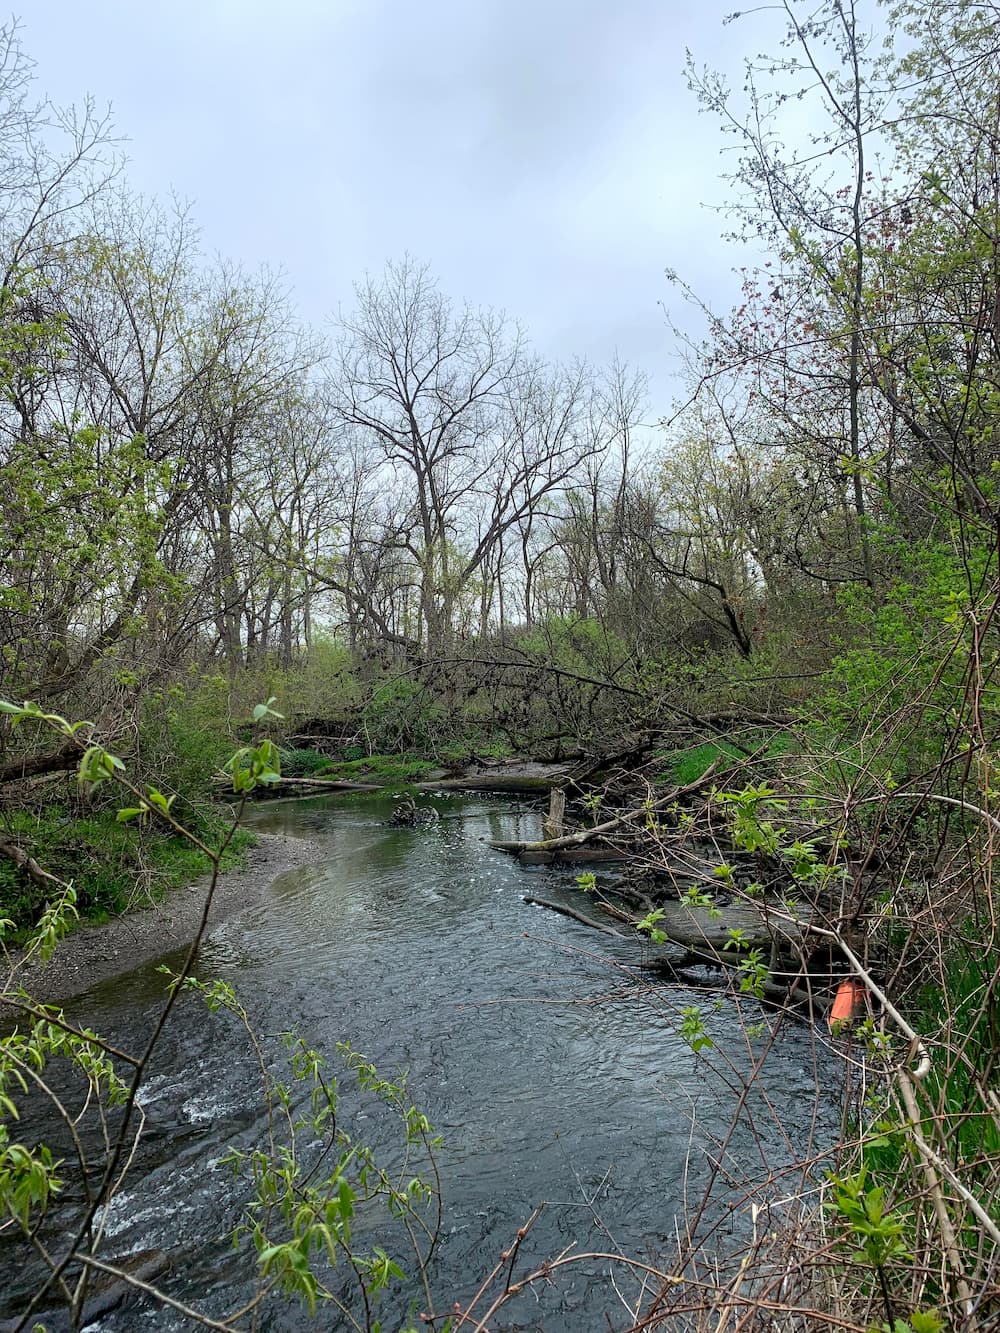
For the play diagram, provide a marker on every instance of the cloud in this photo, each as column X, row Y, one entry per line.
column 545, row 157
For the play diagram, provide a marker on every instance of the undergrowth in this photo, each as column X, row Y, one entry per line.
column 386, row 769
column 684, row 766
column 114, row 867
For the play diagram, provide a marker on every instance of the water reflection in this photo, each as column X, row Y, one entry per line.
column 553, row 1073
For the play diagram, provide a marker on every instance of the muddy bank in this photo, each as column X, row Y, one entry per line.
column 97, row 953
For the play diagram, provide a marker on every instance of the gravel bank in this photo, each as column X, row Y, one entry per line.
column 96, row 953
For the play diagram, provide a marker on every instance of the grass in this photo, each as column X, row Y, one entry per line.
column 302, row 763
column 688, row 765
column 684, row 766
column 387, row 770
column 112, row 866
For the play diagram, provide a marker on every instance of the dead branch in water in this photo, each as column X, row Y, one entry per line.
column 634, row 816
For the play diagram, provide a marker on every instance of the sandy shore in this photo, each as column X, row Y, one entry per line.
column 95, row 953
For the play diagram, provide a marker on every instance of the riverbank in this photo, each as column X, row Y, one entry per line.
column 97, row 953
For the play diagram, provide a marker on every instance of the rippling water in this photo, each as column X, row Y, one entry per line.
column 552, row 1069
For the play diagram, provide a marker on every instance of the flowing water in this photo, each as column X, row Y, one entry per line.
column 552, row 1068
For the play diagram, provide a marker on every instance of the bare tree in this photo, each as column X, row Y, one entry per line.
column 473, row 432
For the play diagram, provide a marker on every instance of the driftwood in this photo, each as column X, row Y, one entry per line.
column 331, row 784
column 635, row 816
column 526, row 783
column 410, row 815
column 570, row 855
column 553, row 826
column 584, row 920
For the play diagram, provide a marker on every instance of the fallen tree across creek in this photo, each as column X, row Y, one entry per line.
column 707, row 938
column 637, row 816
column 697, row 940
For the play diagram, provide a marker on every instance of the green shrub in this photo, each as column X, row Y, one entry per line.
column 894, row 694
column 187, row 734
column 302, row 763
column 388, row 770
column 403, row 714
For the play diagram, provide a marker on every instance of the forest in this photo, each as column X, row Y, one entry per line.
column 763, row 629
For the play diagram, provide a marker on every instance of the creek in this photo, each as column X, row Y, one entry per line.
column 552, row 1067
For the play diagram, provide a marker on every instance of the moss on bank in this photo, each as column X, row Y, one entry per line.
column 114, row 867
column 682, row 767
column 389, row 770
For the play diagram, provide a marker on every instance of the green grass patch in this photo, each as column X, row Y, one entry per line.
column 302, row 763
column 685, row 766
column 113, row 867
column 388, row 770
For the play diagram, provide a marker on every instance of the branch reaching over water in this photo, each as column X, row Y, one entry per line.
column 637, row 815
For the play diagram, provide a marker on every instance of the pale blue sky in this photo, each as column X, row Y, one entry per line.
column 543, row 156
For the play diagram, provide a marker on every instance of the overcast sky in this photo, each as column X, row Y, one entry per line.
column 542, row 156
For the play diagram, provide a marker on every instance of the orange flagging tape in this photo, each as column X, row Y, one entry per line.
column 850, row 1001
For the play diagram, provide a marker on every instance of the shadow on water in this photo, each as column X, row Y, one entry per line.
column 552, row 1071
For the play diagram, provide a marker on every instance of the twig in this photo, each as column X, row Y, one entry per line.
column 610, row 825
column 160, row 1296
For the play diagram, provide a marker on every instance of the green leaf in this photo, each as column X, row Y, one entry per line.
column 926, row 1321
column 97, row 765
column 265, row 710
column 159, row 801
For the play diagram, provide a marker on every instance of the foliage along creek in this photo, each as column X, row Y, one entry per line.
column 760, row 637
column 554, row 1071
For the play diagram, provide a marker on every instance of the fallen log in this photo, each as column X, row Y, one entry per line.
column 57, row 761
column 114, row 1285
column 584, row 920
column 525, row 783
column 694, row 941
column 590, row 765
column 331, row 784
column 30, row 866
column 635, row 816
column 692, row 928
column 574, row 855
column 520, row 783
